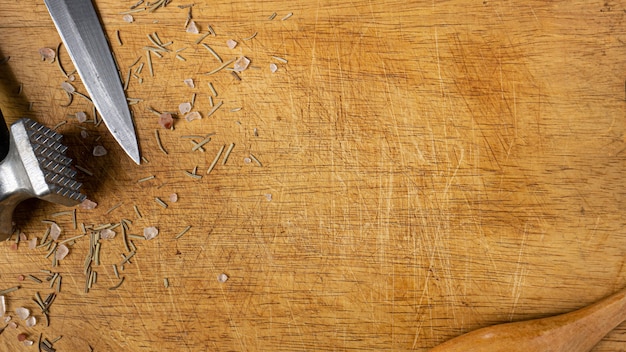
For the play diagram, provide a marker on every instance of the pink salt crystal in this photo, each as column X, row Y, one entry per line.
column 247, row 160
column 47, row 53
column 55, row 231
column 99, row 151
column 193, row 116
column 173, row 197
column 68, row 87
column 88, row 205
column 20, row 278
column 273, row 67
column 189, row 82
column 268, row 196
column 166, row 120
column 128, row 18
column 28, row 343
column 13, row 246
column 222, row 278
column 23, row 236
column 3, row 306
column 31, row 321
column 241, row 64
column 193, row 28
column 81, row 116
column 231, row 44
column 21, row 337
column 13, row 325
column 184, row 108
column 61, row 252
column 150, row 232
column 7, row 319
column 71, row 78
column 22, row 312
column 84, row 134
column 32, row 244
column 107, row 234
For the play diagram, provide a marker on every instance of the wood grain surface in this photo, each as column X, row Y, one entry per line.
column 428, row 168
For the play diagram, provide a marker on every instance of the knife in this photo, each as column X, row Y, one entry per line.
column 81, row 32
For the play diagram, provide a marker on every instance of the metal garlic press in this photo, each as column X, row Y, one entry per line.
column 33, row 164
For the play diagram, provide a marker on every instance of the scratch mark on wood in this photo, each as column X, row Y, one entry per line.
column 520, row 274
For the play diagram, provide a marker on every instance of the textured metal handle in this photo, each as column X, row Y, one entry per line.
column 4, row 137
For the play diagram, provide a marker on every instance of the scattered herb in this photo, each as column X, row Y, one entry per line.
column 223, row 66
column 217, row 157
column 251, row 37
column 160, row 202
column 118, row 284
column 146, row 179
column 158, row 139
column 214, row 109
column 184, row 231
column 217, row 57
column 230, row 149
column 280, row 59
column 255, row 160
column 113, row 208
column 212, row 89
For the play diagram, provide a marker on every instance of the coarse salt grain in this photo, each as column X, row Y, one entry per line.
column 166, row 120
column 28, row 343
column 30, row 322
column 241, row 64
column 47, row 53
column 231, row 44
column 222, row 278
column 81, row 116
column 193, row 116
column 88, row 204
column 184, row 108
column 273, row 67
column 23, row 236
column 150, row 232
column 268, row 196
column 55, row 231
column 189, row 82
column 22, row 313
column 99, row 151
column 68, row 87
column 173, row 198
column 61, row 252
column 84, row 134
column 193, row 28
column 32, row 244
column 247, row 160
column 107, row 234
column 3, row 306
column 128, row 18
column 13, row 325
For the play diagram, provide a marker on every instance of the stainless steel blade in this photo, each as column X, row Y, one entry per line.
column 83, row 36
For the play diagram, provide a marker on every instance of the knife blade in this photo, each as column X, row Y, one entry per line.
column 79, row 27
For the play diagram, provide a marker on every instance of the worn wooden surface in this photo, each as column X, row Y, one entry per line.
column 428, row 168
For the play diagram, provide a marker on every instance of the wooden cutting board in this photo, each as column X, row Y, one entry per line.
column 425, row 169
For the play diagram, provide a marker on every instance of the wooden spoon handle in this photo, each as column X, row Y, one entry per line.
column 576, row 331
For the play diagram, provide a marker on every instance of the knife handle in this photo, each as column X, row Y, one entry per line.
column 576, row 331
column 4, row 138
